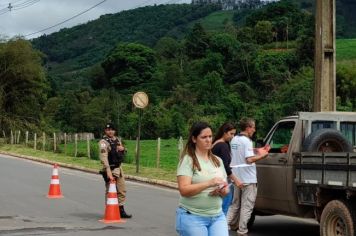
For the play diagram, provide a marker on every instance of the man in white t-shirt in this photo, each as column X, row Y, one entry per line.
column 243, row 158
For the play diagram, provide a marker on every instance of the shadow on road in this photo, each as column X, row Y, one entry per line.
column 282, row 226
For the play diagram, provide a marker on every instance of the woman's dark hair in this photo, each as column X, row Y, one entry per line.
column 190, row 147
column 224, row 128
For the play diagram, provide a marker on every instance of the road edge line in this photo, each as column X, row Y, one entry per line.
column 163, row 183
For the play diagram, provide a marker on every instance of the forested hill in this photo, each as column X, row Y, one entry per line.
column 194, row 62
column 86, row 44
column 79, row 47
column 345, row 16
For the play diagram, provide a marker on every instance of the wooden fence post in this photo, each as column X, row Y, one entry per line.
column 158, row 152
column 12, row 138
column 18, row 137
column 54, row 142
column 3, row 133
column 88, row 146
column 136, row 149
column 26, row 138
column 65, row 143
column 75, row 145
column 43, row 141
column 35, row 141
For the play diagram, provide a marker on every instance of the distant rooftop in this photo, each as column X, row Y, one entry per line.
column 235, row 4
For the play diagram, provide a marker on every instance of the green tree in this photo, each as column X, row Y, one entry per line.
column 273, row 69
column 211, row 88
column 346, row 86
column 197, row 42
column 242, row 66
column 168, row 48
column 286, row 17
column 263, row 32
column 225, row 44
column 245, row 35
column 301, row 88
column 23, row 85
column 129, row 64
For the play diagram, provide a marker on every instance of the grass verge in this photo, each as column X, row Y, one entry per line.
column 129, row 169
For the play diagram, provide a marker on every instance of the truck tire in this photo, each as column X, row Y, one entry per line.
column 337, row 219
column 327, row 140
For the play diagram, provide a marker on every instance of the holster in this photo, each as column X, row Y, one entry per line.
column 105, row 175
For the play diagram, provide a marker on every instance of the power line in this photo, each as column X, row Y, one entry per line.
column 81, row 13
column 24, row 5
column 71, row 18
column 10, row 2
column 15, row 7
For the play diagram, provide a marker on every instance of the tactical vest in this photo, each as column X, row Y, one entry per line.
column 115, row 157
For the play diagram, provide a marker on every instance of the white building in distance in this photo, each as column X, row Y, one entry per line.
column 235, row 4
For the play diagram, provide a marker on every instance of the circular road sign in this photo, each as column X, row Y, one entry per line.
column 140, row 100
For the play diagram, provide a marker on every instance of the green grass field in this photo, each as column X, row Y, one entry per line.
column 168, row 173
column 216, row 21
column 346, row 50
column 148, row 155
column 169, row 153
column 169, row 156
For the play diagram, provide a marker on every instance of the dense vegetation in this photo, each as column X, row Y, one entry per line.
column 23, row 85
column 259, row 64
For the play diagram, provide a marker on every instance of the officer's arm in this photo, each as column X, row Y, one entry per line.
column 104, row 156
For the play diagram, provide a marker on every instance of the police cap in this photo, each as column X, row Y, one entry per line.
column 109, row 126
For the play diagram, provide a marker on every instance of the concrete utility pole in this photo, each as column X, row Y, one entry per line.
column 325, row 66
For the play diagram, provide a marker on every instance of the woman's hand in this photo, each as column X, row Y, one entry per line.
column 220, row 186
column 220, row 191
column 216, row 182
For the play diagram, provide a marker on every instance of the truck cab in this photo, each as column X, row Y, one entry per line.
column 277, row 193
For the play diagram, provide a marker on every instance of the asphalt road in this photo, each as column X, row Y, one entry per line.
column 25, row 210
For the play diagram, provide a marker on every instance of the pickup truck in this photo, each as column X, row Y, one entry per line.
column 310, row 171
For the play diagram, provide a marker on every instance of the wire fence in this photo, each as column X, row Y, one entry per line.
column 153, row 153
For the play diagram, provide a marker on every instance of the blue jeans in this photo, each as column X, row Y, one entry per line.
column 227, row 200
column 188, row 224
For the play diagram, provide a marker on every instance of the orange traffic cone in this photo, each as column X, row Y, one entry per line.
column 54, row 187
column 112, row 213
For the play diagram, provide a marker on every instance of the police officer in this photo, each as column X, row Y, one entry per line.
column 111, row 155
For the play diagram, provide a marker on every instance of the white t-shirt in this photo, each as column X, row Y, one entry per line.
column 242, row 148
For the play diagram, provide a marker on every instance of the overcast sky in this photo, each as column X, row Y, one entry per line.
column 30, row 16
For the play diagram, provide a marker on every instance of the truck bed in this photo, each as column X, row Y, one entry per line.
column 323, row 171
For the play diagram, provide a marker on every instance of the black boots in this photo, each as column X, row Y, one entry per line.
column 123, row 213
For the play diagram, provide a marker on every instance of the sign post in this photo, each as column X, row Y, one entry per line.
column 140, row 100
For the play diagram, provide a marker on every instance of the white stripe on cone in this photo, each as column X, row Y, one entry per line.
column 112, row 188
column 54, row 181
column 112, row 201
column 55, row 171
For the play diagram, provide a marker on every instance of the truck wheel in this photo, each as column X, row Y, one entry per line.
column 327, row 140
column 337, row 219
